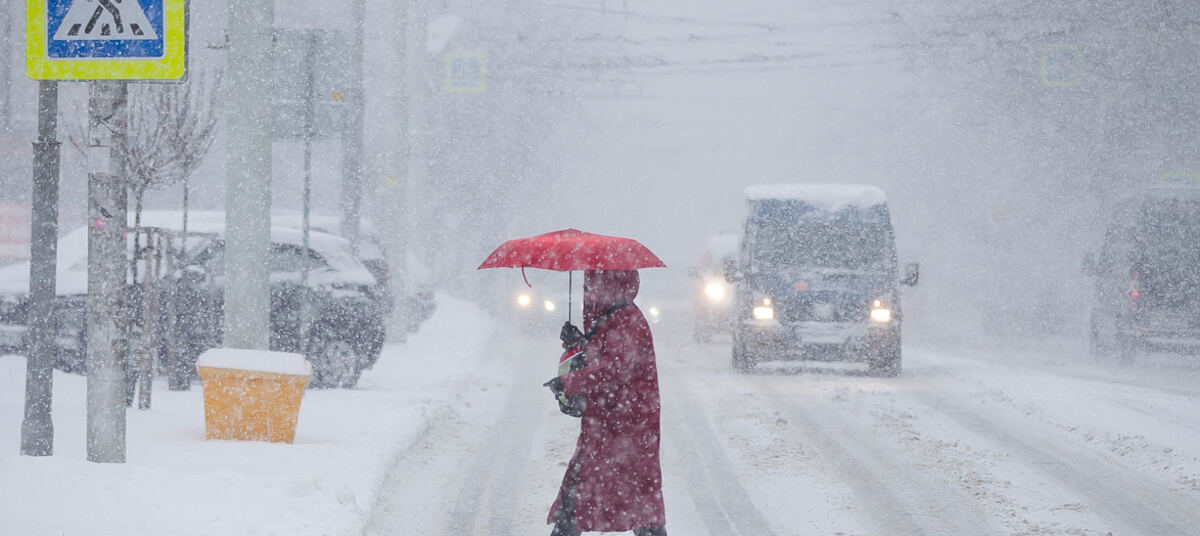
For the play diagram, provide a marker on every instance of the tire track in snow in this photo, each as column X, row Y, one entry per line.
column 458, row 462
column 493, row 484
column 725, row 507
column 900, row 498
column 1119, row 495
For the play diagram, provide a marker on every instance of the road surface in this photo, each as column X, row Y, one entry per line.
column 966, row 442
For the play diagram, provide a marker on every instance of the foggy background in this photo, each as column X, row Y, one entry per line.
column 1001, row 130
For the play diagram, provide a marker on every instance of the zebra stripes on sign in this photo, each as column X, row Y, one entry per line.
column 105, row 20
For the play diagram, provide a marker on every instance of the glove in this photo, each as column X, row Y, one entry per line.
column 569, row 405
column 569, row 335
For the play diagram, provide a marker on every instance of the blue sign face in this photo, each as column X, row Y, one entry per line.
column 104, row 29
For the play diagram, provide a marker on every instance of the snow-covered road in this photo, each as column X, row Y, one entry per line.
column 966, row 442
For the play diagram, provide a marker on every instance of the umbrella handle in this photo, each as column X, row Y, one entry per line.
column 570, row 286
column 525, row 278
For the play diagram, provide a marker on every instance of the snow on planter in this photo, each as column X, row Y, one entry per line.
column 252, row 395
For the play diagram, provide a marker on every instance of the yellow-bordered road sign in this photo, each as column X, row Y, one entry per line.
column 106, row 39
column 466, row 72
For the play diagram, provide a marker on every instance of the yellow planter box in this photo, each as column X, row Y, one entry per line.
column 245, row 401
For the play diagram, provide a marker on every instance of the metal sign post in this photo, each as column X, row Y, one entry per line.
column 37, row 429
column 107, row 42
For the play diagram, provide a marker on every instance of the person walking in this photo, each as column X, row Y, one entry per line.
column 614, row 480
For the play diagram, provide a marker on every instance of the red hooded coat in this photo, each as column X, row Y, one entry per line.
column 619, row 483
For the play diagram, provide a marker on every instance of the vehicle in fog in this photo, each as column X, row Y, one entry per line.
column 1147, row 288
column 417, row 300
column 817, row 278
column 331, row 314
column 712, row 295
column 335, row 318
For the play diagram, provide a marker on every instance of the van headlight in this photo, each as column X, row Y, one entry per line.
column 881, row 312
column 765, row 310
column 714, row 291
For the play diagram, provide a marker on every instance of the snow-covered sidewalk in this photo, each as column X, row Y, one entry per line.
column 175, row 482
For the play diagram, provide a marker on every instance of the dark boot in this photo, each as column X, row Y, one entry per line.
column 564, row 523
column 564, row 528
column 650, row 531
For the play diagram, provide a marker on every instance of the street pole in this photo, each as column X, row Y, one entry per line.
column 310, row 123
column 248, row 174
column 352, row 140
column 395, row 211
column 6, row 69
column 310, row 102
column 37, row 429
column 106, row 360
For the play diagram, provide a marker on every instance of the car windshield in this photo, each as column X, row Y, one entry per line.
column 839, row 246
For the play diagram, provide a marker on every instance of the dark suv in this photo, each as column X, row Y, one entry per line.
column 334, row 318
column 1147, row 276
column 817, row 278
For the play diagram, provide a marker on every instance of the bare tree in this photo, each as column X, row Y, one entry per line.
column 171, row 128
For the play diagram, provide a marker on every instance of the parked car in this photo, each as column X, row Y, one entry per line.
column 333, row 318
column 1147, row 287
column 712, row 295
column 71, row 285
column 817, row 278
column 417, row 300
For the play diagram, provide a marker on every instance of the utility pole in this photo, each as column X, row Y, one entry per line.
column 249, row 118
column 352, row 141
column 395, row 212
column 37, row 429
column 107, row 205
column 6, row 68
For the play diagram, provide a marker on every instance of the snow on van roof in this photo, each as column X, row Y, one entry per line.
column 831, row 197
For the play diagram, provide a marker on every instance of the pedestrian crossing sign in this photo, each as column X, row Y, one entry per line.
column 106, row 39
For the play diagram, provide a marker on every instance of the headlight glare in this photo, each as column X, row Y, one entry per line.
column 715, row 291
column 764, row 312
column 524, row 300
column 549, row 305
column 881, row 315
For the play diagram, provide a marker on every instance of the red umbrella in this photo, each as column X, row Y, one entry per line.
column 572, row 249
column 569, row 250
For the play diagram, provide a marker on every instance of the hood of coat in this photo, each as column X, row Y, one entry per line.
column 602, row 289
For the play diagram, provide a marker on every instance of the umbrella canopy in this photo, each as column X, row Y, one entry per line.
column 572, row 249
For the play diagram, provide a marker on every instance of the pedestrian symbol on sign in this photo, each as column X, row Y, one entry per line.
column 106, row 39
column 105, row 20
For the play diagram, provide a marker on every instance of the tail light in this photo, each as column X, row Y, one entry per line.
column 1134, row 293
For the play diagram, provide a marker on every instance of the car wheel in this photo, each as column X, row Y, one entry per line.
column 72, row 360
column 885, row 358
column 743, row 360
column 335, row 362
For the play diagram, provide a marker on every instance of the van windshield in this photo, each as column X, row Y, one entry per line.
column 1167, row 251
column 838, row 246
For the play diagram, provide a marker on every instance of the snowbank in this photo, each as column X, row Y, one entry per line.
column 177, row 483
